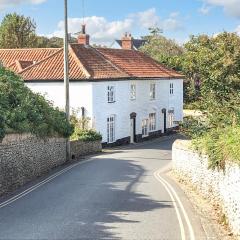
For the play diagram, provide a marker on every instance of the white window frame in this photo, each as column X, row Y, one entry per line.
column 171, row 117
column 145, row 127
column 152, row 122
column 133, row 91
column 111, row 94
column 111, row 125
column 152, row 91
column 171, row 88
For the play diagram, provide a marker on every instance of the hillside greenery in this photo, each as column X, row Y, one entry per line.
column 23, row 111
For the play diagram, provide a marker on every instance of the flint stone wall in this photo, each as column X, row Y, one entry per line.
column 222, row 188
column 24, row 157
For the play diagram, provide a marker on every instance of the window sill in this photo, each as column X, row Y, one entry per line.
column 112, row 102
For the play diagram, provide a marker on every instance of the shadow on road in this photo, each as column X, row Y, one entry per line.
column 89, row 202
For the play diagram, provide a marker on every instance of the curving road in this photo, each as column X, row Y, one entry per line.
column 122, row 194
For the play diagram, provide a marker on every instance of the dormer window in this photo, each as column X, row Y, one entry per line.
column 111, row 94
column 152, row 91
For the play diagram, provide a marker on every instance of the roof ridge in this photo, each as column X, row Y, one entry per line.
column 37, row 63
column 109, row 61
column 79, row 63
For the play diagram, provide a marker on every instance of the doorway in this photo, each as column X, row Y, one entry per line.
column 133, row 127
column 164, row 111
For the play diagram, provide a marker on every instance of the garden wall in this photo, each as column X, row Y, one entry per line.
column 81, row 148
column 24, row 157
column 222, row 188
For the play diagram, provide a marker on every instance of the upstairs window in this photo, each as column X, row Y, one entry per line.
column 111, row 94
column 152, row 121
column 171, row 89
column 133, row 92
column 152, row 91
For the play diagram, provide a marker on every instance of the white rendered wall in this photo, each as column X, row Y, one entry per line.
column 80, row 94
column 143, row 106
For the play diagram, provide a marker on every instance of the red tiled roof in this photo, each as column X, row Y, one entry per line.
column 9, row 56
column 85, row 62
column 137, row 64
column 52, row 68
column 96, row 64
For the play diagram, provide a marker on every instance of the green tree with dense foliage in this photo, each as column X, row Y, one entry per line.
column 165, row 51
column 212, row 66
column 21, row 110
column 17, row 31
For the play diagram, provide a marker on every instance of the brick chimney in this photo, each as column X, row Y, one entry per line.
column 83, row 38
column 127, row 41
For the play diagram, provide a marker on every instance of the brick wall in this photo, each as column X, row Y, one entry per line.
column 221, row 187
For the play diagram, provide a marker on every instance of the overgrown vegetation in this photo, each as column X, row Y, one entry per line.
column 211, row 65
column 21, row 110
column 81, row 129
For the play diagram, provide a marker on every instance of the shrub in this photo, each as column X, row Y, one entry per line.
column 221, row 145
column 86, row 135
column 24, row 111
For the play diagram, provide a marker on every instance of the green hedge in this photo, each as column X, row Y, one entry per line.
column 86, row 135
column 21, row 110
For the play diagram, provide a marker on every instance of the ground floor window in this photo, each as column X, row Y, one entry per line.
column 152, row 122
column 144, row 127
column 171, row 118
column 111, row 129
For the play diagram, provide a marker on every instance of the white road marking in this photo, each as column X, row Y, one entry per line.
column 182, row 230
column 169, row 188
column 29, row 190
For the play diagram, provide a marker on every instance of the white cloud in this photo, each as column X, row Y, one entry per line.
column 204, row 9
column 237, row 30
column 11, row 3
column 105, row 32
column 231, row 7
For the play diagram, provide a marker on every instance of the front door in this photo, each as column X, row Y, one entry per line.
column 133, row 127
column 164, row 111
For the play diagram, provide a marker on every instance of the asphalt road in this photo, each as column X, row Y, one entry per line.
column 123, row 194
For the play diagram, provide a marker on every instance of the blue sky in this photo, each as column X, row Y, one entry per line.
column 107, row 19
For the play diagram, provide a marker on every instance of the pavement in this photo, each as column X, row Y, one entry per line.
column 124, row 193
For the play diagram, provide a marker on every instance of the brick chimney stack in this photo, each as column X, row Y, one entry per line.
column 83, row 38
column 127, row 41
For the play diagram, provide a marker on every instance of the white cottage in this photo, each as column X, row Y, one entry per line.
column 127, row 95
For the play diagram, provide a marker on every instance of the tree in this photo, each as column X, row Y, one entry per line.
column 212, row 66
column 17, row 31
column 165, row 51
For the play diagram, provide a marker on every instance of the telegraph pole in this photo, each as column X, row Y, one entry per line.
column 66, row 75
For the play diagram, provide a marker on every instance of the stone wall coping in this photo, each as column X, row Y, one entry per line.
column 19, row 137
column 186, row 145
